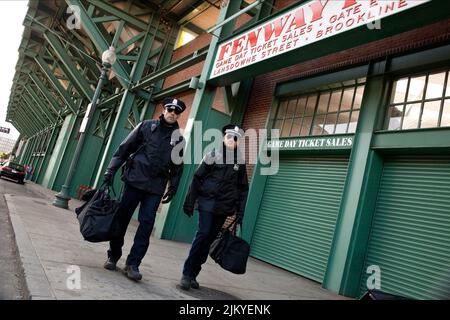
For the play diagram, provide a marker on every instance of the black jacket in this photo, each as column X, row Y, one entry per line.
column 150, row 166
column 218, row 187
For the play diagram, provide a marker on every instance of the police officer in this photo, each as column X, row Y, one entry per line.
column 149, row 167
column 219, row 189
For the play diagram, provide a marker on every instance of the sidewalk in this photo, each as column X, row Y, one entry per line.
column 49, row 242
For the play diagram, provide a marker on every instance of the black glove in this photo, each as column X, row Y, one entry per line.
column 239, row 218
column 168, row 196
column 108, row 178
column 188, row 211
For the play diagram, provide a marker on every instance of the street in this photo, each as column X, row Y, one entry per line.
column 11, row 273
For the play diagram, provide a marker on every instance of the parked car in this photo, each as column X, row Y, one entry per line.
column 12, row 170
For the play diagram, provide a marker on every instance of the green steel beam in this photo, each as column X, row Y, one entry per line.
column 132, row 40
column 55, row 82
column 436, row 138
column 171, row 91
column 53, row 104
column 99, row 41
column 71, row 68
column 40, row 104
column 109, row 8
column 172, row 69
column 40, row 118
column 29, row 121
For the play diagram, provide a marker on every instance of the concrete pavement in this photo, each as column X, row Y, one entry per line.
column 51, row 250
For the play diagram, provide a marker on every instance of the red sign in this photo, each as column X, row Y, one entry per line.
column 303, row 25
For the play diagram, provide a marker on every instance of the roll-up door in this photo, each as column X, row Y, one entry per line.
column 410, row 236
column 298, row 213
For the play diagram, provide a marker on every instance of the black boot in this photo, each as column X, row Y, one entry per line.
column 194, row 284
column 185, row 282
column 110, row 264
column 133, row 273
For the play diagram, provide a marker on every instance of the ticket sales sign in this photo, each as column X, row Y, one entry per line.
column 305, row 24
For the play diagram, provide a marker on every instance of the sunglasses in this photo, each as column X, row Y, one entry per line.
column 232, row 136
column 173, row 109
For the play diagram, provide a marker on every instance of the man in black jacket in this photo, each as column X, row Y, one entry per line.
column 218, row 190
column 147, row 152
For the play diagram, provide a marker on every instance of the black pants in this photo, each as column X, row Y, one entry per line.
column 147, row 213
column 209, row 226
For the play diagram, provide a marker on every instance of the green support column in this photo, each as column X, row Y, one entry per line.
column 47, row 154
column 359, row 196
column 200, row 110
column 23, row 151
column 37, row 154
column 62, row 142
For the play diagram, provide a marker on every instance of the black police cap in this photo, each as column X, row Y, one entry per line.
column 232, row 129
column 174, row 102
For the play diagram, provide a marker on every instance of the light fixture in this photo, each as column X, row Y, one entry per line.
column 109, row 56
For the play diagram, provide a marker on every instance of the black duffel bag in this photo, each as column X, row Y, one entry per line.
column 230, row 251
column 97, row 217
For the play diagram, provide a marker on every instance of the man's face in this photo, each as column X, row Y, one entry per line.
column 231, row 141
column 169, row 115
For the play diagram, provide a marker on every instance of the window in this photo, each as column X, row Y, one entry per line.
column 184, row 37
column 332, row 109
column 420, row 102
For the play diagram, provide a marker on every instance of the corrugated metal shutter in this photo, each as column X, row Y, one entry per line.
column 410, row 237
column 298, row 215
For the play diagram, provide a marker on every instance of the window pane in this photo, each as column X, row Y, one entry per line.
column 347, row 99
column 353, row 122
column 447, row 93
column 330, row 123
column 286, row 128
column 306, row 126
column 323, row 103
column 301, row 104
column 318, row 125
column 282, row 109
column 311, row 105
column 278, row 124
column 399, row 90
column 292, row 104
column 430, row 114
column 295, row 131
column 395, row 117
column 342, row 122
column 358, row 97
column 335, row 101
column 445, row 121
column 416, row 88
column 411, row 119
column 435, row 85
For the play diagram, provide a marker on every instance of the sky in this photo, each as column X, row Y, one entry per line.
column 12, row 14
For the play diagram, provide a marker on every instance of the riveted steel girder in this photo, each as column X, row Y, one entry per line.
column 55, row 83
column 100, row 42
column 53, row 104
column 70, row 65
column 43, row 108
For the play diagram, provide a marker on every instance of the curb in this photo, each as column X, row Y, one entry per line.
column 36, row 281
